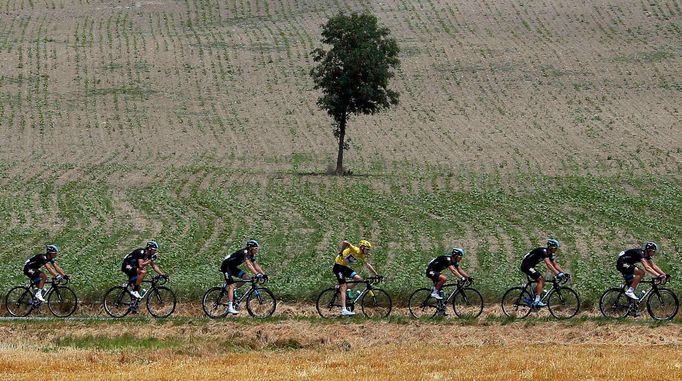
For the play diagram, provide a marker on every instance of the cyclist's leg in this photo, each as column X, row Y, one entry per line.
column 638, row 275
column 536, row 276
column 43, row 279
column 229, row 281
column 341, row 273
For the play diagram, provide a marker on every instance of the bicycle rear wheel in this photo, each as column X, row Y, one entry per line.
column 261, row 303
column 614, row 304
column 663, row 304
column 563, row 303
column 467, row 303
column 19, row 301
column 422, row 305
column 117, row 302
column 62, row 302
column 516, row 303
column 329, row 303
column 161, row 302
column 215, row 302
column 376, row 303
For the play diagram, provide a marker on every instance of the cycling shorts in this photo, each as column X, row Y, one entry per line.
column 33, row 274
column 433, row 275
column 531, row 272
column 232, row 271
column 342, row 272
column 628, row 270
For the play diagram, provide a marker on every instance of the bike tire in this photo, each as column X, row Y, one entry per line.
column 614, row 304
column 161, row 302
column 563, row 303
column 62, row 301
column 329, row 303
column 214, row 302
column 117, row 302
column 422, row 305
column 261, row 303
column 376, row 303
column 19, row 301
column 662, row 304
column 515, row 303
column 467, row 303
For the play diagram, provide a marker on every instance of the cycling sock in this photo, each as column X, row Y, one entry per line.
column 229, row 304
column 537, row 298
column 631, row 289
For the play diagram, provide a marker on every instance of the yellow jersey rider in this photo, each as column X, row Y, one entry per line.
column 349, row 255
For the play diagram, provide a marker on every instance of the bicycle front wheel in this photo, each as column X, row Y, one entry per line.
column 261, row 303
column 329, row 303
column 117, row 302
column 62, row 302
column 19, row 301
column 614, row 304
column 663, row 304
column 467, row 303
column 376, row 303
column 563, row 303
column 215, row 302
column 422, row 305
column 516, row 303
column 161, row 302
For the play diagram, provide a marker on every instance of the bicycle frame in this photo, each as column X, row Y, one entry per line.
column 368, row 287
column 254, row 284
column 556, row 284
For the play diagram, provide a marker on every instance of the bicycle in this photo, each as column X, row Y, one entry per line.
column 374, row 302
column 161, row 301
column 466, row 301
column 661, row 303
column 260, row 301
column 61, row 300
column 563, row 302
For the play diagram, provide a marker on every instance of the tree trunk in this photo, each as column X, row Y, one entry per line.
column 342, row 139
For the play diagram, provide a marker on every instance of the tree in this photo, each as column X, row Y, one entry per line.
column 353, row 74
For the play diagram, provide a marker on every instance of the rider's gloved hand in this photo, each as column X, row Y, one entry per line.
column 66, row 277
column 259, row 276
column 265, row 276
column 154, row 257
column 164, row 276
column 463, row 279
column 58, row 277
column 560, row 276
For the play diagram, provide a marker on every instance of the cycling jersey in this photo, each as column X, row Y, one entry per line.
column 238, row 257
column 37, row 261
column 536, row 256
column 441, row 263
column 130, row 261
column 632, row 256
column 349, row 256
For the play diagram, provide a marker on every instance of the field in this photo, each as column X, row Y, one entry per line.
column 194, row 123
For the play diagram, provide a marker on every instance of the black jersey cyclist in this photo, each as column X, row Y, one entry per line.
column 633, row 274
column 32, row 269
column 135, row 264
column 533, row 258
column 230, row 269
column 438, row 264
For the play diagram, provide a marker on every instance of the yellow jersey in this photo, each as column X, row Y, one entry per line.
column 349, row 256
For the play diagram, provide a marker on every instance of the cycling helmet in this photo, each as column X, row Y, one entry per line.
column 152, row 245
column 457, row 251
column 252, row 243
column 51, row 249
column 650, row 246
column 365, row 243
column 553, row 244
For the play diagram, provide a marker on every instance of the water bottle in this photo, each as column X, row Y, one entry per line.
column 143, row 293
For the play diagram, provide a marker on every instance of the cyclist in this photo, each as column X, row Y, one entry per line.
column 32, row 269
column 350, row 254
column 135, row 263
column 631, row 273
column 229, row 269
column 546, row 255
column 438, row 264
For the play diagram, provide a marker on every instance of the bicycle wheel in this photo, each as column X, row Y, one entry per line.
column 662, row 305
column 62, row 302
column 563, row 303
column 376, row 303
column 117, row 302
column 614, row 304
column 422, row 305
column 261, row 303
column 329, row 303
column 467, row 303
column 161, row 302
column 516, row 303
column 19, row 301
column 215, row 302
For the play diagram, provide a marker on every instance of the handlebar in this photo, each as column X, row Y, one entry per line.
column 60, row 281
column 158, row 279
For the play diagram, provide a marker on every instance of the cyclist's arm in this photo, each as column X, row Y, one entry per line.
column 370, row 268
column 51, row 269
column 553, row 266
column 460, row 271
column 59, row 269
column 156, row 268
column 651, row 267
column 251, row 266
column 257, row 267
column 344, row 245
